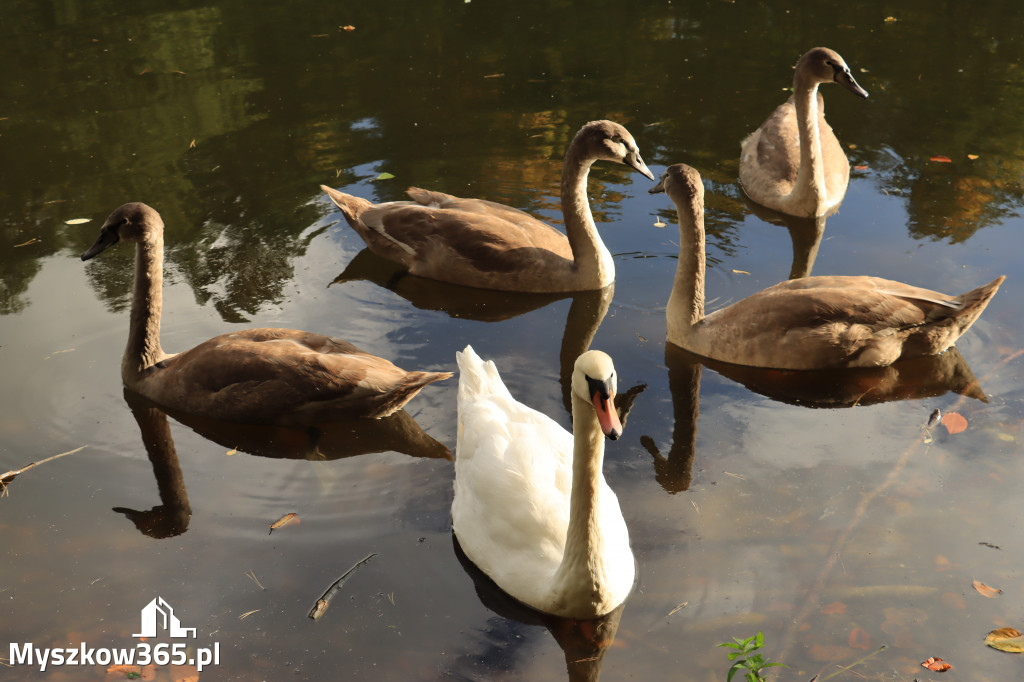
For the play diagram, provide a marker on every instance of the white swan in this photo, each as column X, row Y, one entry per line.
column 483, row 244
column 811, row 322
column 793, row 163
column 532, row 508
column 279, row 376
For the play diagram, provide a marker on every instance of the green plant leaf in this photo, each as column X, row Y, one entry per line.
column 384, row 176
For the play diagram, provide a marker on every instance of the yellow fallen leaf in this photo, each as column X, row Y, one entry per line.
column 192, row 144
column 77, row 221
column 972, row 157
column 232, row 451
column 30, row 241
column 658, row 223
column 290, row 517
column 1006, row 639
column 740, row 272
column 986, row 591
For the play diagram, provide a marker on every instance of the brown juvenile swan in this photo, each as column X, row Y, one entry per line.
column 483, row 244
column 281, row 376
column 811, row 322
column 793, row 163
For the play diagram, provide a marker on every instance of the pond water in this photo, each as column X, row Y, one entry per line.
column 754, row 502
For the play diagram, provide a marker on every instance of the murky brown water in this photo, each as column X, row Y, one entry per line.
column 834, row 530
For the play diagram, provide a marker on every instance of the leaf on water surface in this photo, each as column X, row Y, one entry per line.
column 384, row 176
column 658, row 223
column 348, row 27
column 859, row 639
column 890, row 20
column 124, row 672
column 941, row 159
column 232, row 451
column 1006, row 639
column 954, row 422
column 192, row 144
column 986, row 591
column 936, row 664
column 972, row 157
column 34, row 240
column 77, row 221
column 860, row 168
column 290, row 517
column 740, row 272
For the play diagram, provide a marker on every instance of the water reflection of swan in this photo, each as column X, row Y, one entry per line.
column 805, row 233
column 911, row 379
column 584, row 642
column 398, row 432
column 587, row 311
column 483, row 244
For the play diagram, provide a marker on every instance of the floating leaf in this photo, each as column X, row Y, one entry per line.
column 986, row 591
column 942, row 159
column 658, row 223
column 384, row 176
column 348, row 27
column 290, row 517
column 232, row 451
column 954, row 422
column 77, row 221
column 936, row 664
column 1006, row 639
column 860, row 168
column 34, row 240
column 192, row 144
column 972, row 157
column 740, row 272
column 890, row 20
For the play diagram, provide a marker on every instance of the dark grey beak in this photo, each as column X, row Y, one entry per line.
column 660, row 187
column 845, row 78
column 634, row 161
column 108, row 237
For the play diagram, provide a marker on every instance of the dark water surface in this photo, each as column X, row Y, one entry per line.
column 834, row 530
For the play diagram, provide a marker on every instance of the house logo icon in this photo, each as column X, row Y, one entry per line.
column 158, row 613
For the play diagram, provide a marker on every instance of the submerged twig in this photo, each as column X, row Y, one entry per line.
column 5, row 478
column 325, row 599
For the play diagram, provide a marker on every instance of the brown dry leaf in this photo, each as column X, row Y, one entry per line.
column 34, row 240
column 941, row 159
column 192, row 144
column 986, row 591
column 936, row 664
column 125, row 669
column 954, row 422
column 835, row 608
column 860, row 168
column 859, row 639
column 1006, row 639
column 290, row 517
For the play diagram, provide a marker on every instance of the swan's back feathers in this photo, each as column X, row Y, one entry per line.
column 280, row 375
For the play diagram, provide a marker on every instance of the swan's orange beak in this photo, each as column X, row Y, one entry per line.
column 607, row 416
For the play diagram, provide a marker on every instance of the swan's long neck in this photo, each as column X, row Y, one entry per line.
column 591, row 257
column 143, row 349
column 580, row 582
column 686, row 302
column 809, row 188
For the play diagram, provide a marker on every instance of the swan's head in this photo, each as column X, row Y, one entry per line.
column 133, row 222
column 822, row 65
column 682, row 184
column 608, row 141
column 593, row 379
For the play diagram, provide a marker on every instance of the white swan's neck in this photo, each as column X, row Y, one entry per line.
column 686, row 302
column 593, row 261
column 809, row 191
column 143, row 349
column 580, row 586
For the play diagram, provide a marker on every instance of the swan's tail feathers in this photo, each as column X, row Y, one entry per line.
column 406, row 390
column 942, row 334
column 477, row 376
column 350, row 206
